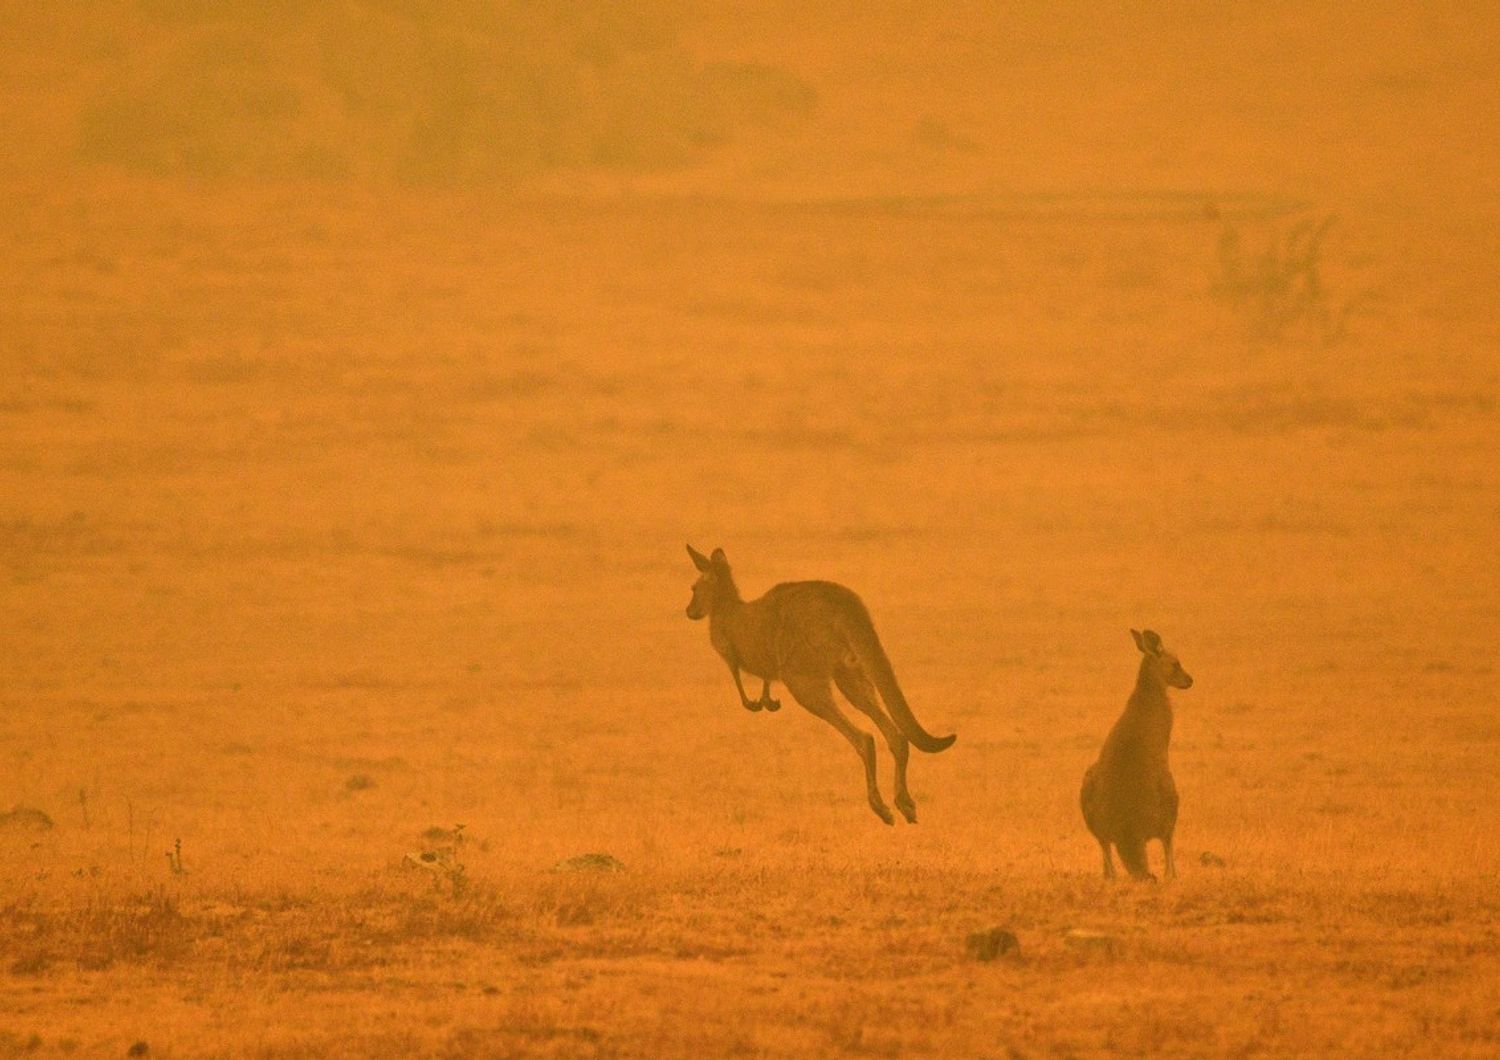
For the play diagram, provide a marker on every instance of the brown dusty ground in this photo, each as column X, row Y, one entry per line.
column 335, row 515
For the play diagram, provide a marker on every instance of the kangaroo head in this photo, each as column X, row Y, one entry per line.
column 1162, row 664
column 714, row 582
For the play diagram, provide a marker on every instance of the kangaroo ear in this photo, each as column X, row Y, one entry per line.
column 1135, row 633
column 700, row 561
column 1153, row 641
column 718, row 559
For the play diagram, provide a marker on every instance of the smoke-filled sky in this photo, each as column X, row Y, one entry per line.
column 797, row 99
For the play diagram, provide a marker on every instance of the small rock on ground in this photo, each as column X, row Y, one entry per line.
column 1092, row 941
column 25, row 818
column 988, row 945
column 590, row 863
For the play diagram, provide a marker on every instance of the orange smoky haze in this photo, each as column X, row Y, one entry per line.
column 368, row 364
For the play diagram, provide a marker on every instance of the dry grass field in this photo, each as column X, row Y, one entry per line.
column 342, row 510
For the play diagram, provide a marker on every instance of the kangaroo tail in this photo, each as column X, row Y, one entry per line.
column 1088, row 801
column 1133, row 856
column 873, row 659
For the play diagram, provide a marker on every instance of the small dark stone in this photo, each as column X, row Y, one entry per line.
column 139, row 1049
column 988, row 945
column 26, row 819
column 1094, row 942
column 1211, row 860
column 590, row 863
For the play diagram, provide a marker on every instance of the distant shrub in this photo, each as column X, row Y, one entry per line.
column 416, row 91
column 1279, row 286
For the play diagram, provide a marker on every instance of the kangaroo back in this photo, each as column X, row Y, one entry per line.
column 861, row 633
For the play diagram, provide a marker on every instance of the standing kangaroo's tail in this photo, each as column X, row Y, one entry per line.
column 873, row 658
column 1133, row 855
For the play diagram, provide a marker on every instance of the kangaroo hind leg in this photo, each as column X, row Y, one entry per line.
column 860, row 691
column 816, row 695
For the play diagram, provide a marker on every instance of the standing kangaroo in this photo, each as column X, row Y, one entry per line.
column 810, row 636
column 1128, row 795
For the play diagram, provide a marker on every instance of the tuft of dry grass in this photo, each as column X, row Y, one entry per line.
column 1280, row 287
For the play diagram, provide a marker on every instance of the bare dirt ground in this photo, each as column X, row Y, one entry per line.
column 334, row 515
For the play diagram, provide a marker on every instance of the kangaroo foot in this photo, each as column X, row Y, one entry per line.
column 907, row 807
column 881, row 810
column 752, row 705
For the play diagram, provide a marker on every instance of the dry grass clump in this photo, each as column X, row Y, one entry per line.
column 145, row 929
column 1280, row 287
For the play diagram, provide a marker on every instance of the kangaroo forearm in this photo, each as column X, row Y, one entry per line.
column 738, row 684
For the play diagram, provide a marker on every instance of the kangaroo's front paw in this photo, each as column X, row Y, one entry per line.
column 752, row 706
column 772, row 705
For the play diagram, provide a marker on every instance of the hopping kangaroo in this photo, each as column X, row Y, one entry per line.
column 1129, row 796
column 810, row 636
